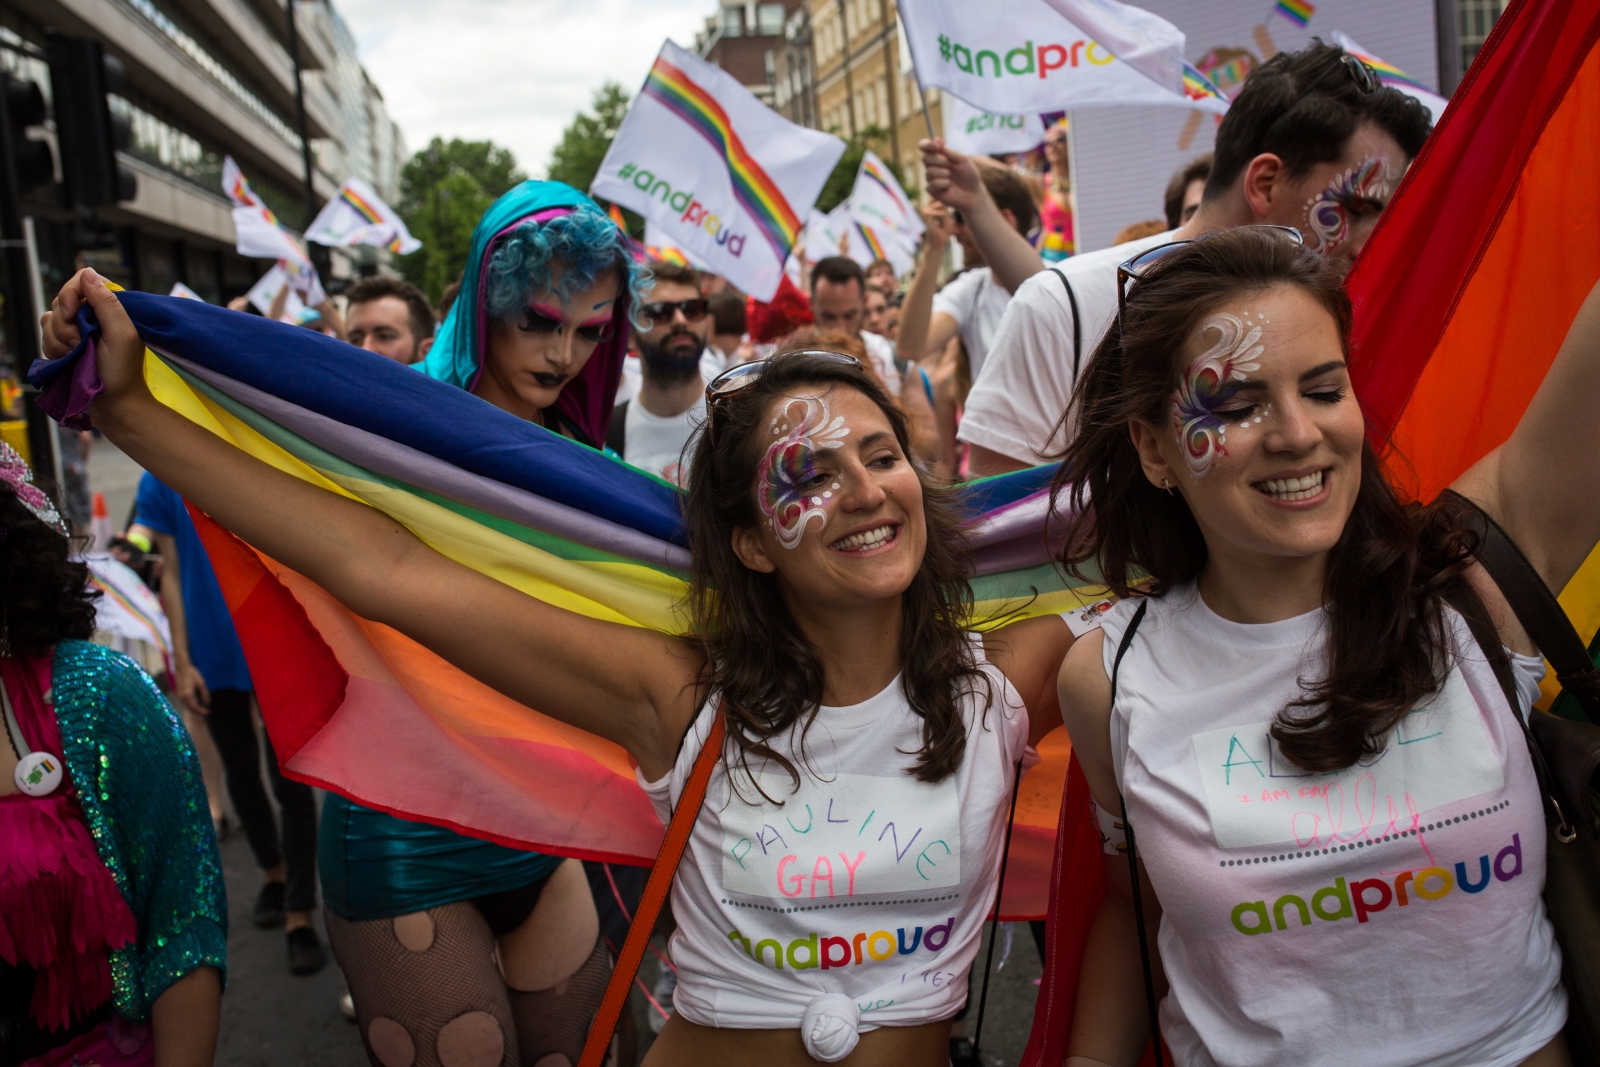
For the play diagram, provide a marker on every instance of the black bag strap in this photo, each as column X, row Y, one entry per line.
column 1534, row 605
column 994, row 918
column 1077, row 328
column 617, row 432
column 1133, row 855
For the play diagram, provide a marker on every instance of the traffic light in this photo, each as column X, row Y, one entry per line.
column 88, row 133
column 24, row 104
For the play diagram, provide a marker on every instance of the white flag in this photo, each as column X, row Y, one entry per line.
column 867, row 244
column 877, row 201
column 1146, row 42
column 236, row 185
column 826, row 234
column 1016, row 57
column 266, row 289
column 179, row 289
column 982, row 133
column 727, row 179
column 1393, row 76
column 356, row 216
column 258, row 235
column 657, row 246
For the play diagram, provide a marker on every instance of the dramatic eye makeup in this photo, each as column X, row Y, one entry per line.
column 792, row 490
column 1364, row 186
column 1207, row 402
column 540, row 318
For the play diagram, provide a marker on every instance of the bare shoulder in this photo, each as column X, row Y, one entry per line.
column 1084, row 690
column 1028, row 652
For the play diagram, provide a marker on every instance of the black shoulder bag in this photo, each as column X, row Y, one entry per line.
column 1566, row 759
column 1077, row 336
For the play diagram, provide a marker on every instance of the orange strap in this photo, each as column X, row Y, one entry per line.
column 655, row 895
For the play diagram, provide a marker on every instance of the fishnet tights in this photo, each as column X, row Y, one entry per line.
column 447, row 1005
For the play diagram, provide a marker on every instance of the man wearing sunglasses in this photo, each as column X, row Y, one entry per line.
column 1312, row 141
column 651, row 429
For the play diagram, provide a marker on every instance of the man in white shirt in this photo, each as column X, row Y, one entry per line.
column 652, row 429
column 1313, row 141
column 973, row 302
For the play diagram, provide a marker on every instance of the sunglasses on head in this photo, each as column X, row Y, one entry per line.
column 739, row 378
column 663, row 310
column 1135, row 269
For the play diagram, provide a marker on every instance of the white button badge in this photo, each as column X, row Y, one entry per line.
column 38, row 774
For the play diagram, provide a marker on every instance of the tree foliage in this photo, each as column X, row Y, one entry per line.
column 576, row 159
column 444, row 191
column 836, row 190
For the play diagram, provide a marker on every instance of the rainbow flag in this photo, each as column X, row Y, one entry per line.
column 1462, row 296
column 871, row 241
column 757, row 193
column 360, row 709
column 1196, row 86
column 361, row 205
column 1298, row 12
column 874, row 171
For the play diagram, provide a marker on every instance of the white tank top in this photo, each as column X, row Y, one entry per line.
column 1386, row 914
column 865, row 883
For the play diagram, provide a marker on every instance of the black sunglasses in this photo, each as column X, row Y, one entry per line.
column 660, row 310
column 1135, row 269
column 739, row 378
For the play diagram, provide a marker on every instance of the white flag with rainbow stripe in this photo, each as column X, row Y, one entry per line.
column 357, row 216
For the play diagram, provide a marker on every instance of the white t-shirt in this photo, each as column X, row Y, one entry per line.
column 881, row 351
column 1389, row 914
column 1028, row 376
column 658, row 444
column 977, row 302
column 864, row 883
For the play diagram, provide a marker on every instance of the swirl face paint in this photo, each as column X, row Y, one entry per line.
column 790, row 463
column 1208, row 383
column 1328, row 213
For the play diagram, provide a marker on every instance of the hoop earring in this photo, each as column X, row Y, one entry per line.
column 1167, row 486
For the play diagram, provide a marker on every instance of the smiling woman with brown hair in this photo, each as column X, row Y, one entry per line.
column 837, row 880
column 1340, row 836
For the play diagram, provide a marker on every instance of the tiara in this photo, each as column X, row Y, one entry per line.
column 15, row 473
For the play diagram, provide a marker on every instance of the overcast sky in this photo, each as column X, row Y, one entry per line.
column 510, row 71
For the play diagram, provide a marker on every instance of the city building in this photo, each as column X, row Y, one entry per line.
column 739, row 37
column 205, row 79
column 861, row 85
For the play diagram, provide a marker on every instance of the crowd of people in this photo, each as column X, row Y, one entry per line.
column 1192, row 382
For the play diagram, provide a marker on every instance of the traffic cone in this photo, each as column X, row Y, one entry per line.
column 100, row 524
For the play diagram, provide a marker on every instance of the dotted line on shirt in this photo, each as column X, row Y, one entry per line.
column 1363, row 844
column 845, row 904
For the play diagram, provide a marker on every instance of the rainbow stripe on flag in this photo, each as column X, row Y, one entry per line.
column 1298, row 12
column 755, row 191
column 886, row 182
column 1462, row 297
column 1196, row 86
column 1388, row 73
column 361, row 205
column 360, row 709
column 871, row 240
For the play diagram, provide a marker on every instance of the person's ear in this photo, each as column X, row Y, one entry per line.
column 1147, row 442
column 751, row 552
column 423, row 349
column 1265, row 181
column 1010, row 217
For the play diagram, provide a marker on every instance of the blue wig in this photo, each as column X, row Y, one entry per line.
column 566, row 255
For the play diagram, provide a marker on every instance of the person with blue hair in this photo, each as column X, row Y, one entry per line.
column 447, row 941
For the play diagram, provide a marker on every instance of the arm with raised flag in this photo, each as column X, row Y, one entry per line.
column 631, row 685
column 953, row 180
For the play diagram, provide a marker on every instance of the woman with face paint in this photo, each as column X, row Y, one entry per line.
column 1340, row 837
column 832, row 896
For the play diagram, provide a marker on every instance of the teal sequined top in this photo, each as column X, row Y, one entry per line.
column 138, row 780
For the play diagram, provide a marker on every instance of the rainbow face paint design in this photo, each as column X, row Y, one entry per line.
column 1328, row 213
column 790, row 463
column 1209, row 383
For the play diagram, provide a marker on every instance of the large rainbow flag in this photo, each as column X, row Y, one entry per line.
column 360, row 709
column 1462, row 296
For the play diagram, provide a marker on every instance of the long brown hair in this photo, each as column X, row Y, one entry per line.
column 769, row 675
column 1391, row 571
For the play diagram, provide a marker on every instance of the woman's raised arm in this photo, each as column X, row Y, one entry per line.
column 633, row 686
column 1543, row 484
